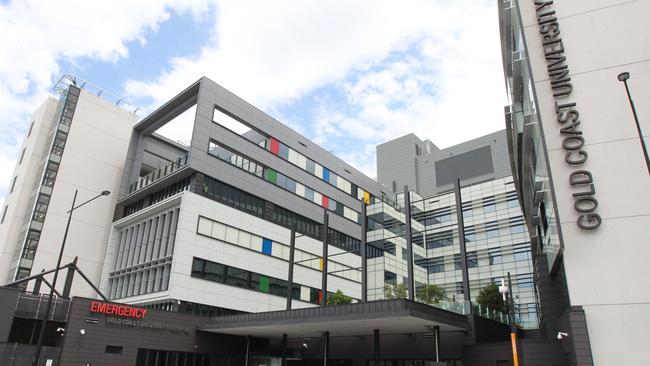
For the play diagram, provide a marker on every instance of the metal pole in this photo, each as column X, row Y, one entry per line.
column 436, row 335
column 409, row 243
column 364, row 253
column 325, row 250
column 461, row 241
column 292, row 249
column 326, row 347
column 248, row 345
column 513, row 329
column 375, row 334
column 284, row 349
column 41, row 335
column 623, row 77
column 37, row 353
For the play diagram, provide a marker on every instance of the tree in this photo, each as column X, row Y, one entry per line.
column 490, row 298
column 395, row 291
column 339, row 298
column 432, row 294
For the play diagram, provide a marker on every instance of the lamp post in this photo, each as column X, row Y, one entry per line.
column 41, row 335
column 624, row 76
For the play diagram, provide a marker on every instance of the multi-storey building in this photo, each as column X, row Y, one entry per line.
column 206, row 228
column 495, row 240
column 581, row 167
column 76, row 143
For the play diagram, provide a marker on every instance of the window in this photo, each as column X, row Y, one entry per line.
column 22, row 155
column 4, row 214
column 13, row 184
column 525, row 281
column 390, row 278
column 50, row 174
column 472, row 260
column 437, row 265
column 113, row 350
column 522, row 252
column 489, row 204
column 457, row 264
column 495, row 256
column 470, row 233
column 459, row 288
column 237, row 277
column 517, row 229
column 214, row 272
column 440, row 239
column 31, row 127
column 491, row 229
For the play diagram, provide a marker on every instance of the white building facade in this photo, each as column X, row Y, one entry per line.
column 76, row 143
column 580, row 167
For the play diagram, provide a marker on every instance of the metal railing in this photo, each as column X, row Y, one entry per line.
column 33, row 307
column 158, row 174
column 16, row 354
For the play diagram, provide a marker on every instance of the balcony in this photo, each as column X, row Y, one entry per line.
column 159, row 174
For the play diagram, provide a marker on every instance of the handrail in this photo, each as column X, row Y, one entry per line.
column 158, row 174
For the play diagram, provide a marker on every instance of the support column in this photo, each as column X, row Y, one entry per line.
column 376, row 346
column 409, row 243
column 248, row 346
column 37, row 284
column 292, row 249
column 364, row 253
column 325, row 250
column 436, row 337
column 284, row 350
column 326, row 347
column 461, row 240
column 68, row 279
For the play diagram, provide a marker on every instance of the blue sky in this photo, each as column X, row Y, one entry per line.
column 347, row 74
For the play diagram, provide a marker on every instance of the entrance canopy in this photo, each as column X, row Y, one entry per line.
column 389, row 316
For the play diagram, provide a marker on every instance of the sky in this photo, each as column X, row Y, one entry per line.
column 348, row 75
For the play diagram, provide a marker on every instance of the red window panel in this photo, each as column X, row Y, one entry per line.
column 275, row 146
column 326, row 201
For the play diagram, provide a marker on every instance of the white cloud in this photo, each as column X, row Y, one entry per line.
column 37, row 35
column 428, row 67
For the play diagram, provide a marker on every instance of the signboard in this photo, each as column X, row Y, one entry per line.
column 117, row 309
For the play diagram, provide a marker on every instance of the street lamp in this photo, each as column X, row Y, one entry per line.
column 623, row 77
column 41, row 335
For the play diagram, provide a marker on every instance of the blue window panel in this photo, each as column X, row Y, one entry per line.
column 266, row 246
column 326, row 174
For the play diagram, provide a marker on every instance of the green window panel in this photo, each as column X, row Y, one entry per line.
column 264, row 284
column 271, row 175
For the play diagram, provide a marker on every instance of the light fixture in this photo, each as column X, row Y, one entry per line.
column 82, row 331
column 561, row 335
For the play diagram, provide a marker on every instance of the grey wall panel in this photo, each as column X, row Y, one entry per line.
column 464, row 166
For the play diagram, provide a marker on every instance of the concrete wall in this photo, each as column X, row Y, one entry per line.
column 92, row 162
column 28, row 173
column 606, row 269
column 431, row 172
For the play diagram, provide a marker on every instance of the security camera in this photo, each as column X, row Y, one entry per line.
column 82, row 331
column 561, row 335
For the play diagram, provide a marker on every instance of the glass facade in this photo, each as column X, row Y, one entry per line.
column 526, row 140
column 496, row 242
